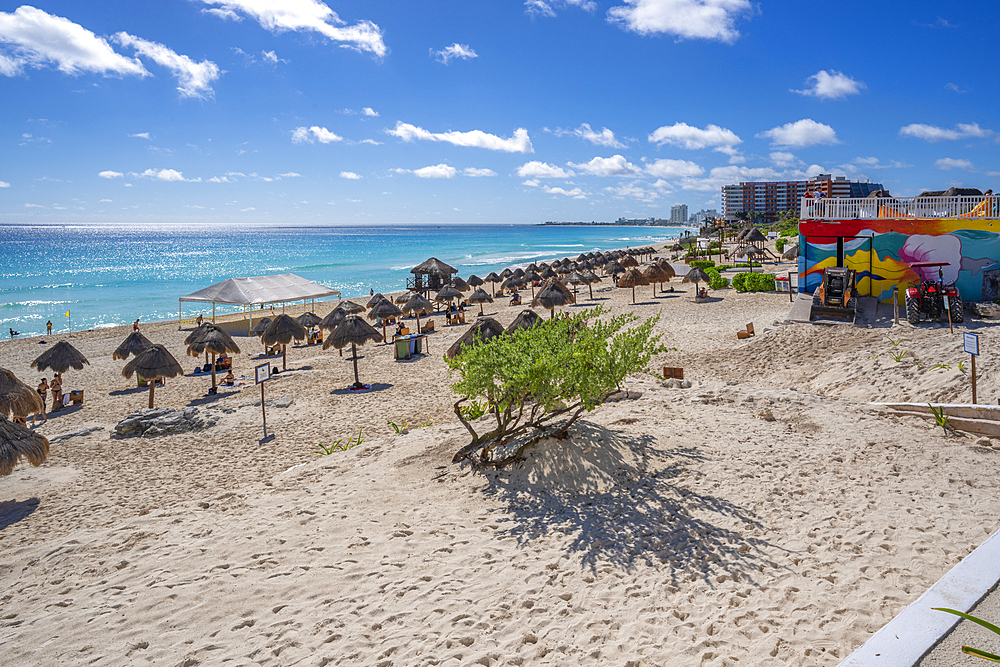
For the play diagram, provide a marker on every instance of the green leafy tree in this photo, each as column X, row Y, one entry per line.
column 537, row 382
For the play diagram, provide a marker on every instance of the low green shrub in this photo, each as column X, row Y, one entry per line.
column 717, row 282
column 753, row 282
column 779, row 245
column 702, row 264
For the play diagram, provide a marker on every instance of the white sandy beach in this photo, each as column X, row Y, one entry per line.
column 766, row 516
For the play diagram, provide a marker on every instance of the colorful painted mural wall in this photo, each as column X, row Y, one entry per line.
column 881, row 252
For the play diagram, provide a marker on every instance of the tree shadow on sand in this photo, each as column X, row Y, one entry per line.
column 12, row 511
column 620, row 496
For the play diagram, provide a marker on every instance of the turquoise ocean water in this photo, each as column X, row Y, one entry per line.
column 108, row 275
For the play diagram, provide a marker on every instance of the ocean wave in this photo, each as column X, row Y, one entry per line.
column 35, row 304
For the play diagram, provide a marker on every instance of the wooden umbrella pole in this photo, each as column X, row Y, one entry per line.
column 152, row 390
column 213, row 370
column 591, row 288
column 354, row 353
column 284, row 357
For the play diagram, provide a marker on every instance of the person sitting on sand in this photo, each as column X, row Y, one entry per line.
column 230, row 379
column 703, row 293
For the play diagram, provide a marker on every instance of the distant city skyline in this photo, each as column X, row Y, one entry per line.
column 405, row 112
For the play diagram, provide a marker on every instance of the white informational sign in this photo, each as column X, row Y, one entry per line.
column 262, row 373
column 971, row 343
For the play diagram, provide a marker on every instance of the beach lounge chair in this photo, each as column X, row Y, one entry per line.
column 429, row 327
column 746, row 334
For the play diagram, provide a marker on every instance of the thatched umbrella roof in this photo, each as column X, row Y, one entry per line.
column 547, row 273
column 383, row 311
column 553, row 294
column 631, row 278
column 16, row 398
column 400, row 299
column 512, row 283
column 281, row 331
column 792, row 252
column 332, row 319
column 565, row 268
column 378, row 296
column 212, row 339
column 518, row 272
column 260, row 327
column 696, row 276
column 60, row 358
column 493, row 277
column 134, row 343
column 482, row 330
column 749, row 250
column 755, row 236
column 447, row 293
column 666, row 266
column 350, row 307
column 677, row 247
column 460, row 284
column 353, row 331
column 151, row 364
column 531, row 267
column 541, row 267
column 628, row 261
column 480, row 296
column 590, row 277
column 17, row 442
column 433, row 266
column 309, row 320
column 475, row 281
column 506, row 273
column 655, row 273
column 526, row 319
column 613, row 268
column 416, row 306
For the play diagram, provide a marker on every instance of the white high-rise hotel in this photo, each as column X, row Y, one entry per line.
column 678, row 214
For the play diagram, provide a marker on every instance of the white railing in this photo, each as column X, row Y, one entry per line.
column 889, row 208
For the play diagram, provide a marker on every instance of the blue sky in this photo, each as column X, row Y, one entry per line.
column 299, row 111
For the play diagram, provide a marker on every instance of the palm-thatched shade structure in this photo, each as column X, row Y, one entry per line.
column 480, row 296
column 60, row 358
column 631, row 278
column 666, row 266
column 460, row 284
column 526, row 319
column 547, row 273
column 506, row 273
column 575, row 279
column 518, row 272
column 260, row 327
column 333, row 318
column 309, row 320
column 553, row 294
column 791, row 253
column 281, row 331
column 564, row 268
column 16, row 443
column 16, row 398
column 384, row 311
column 350, row 307
column 134, row 343
column 748, row 252
column 628, row 261
column 677, row 247
column 151, row 364
column 511, row 283
column 655, row 273
column 447, row 293
column 377, row 297
column 430, row 275
column 353, row 331
column 416, row 306
column 213, row 340
column 493, row 278
column 696, row 276
column 591, row 278
column 475, row 281
column 482, row 330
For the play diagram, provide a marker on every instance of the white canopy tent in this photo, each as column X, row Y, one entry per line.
column 258, row 290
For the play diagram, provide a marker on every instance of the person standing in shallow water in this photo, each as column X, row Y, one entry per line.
column 48, row 327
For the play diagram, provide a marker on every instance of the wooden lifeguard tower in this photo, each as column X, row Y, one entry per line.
column 431, row 275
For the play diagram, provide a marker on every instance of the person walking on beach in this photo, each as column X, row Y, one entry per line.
column 56, row 387
column 48, row 327
column 43, row 391
column 200, row 319
column 135, row 325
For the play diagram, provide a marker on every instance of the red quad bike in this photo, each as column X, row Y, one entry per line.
column 930, row 299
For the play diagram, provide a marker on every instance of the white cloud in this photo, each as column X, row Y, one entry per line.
column 948, row 163
column 532, row 183
column 536, row 169
column 306, row 15
column 456, row 50
column 634, row 190
column 801, row 133
column 603, row 138
column 221, row 179
column 106, row 201
column 33, row 38
column 312, row 134
column 575, row 193
column 4, row 184
column 368, row 111
column 370, row 141
column 934, row 134
column 111, row 174
column 140, row 135
column 519, row 143
column 616, row 165
column 290, row 174
column 436, row 171
column 690, row 19
column 34, row 206
column 694, row 138
column 673, row 169
column 549, row 7
column 270, row 57
column 784, row 159
column 248, row 208
column 954, row 87
column 169, row 175
column 720, row 176
column 350, row 175
column 874, row 163
column 195, row 79
column 477, row 173
column 831, row 85
column 225, row 14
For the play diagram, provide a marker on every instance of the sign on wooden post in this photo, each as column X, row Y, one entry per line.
column 262, row 374
column 970, row 341
column 670, row 373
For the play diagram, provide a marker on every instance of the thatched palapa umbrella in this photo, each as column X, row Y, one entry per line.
column 476, row 281
column 531, row 278
column 631, row 278
column 354, row 331
column 548, row 273
column 60, row 358
column 628, row 261
column 383, row 311
column 16, row 398
column 151, row 364
column 209, row 338
column 696, row 276
column 482, row 330
column 553, row 294
column 446, row 294
column 16, row 443
column 575, row 279
column 480, row 296
column 133, row 344
column 309, row 320
column 791, row 253
column 493, row 278
column 526, row 319
column 460, row 284
column 377, row 297
column 281, row 331
column 351, row 308
column 260, row 327
column 655, row 273
column 749, row 252
column 591, row 278
column 613, row 268
column 416, row 306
